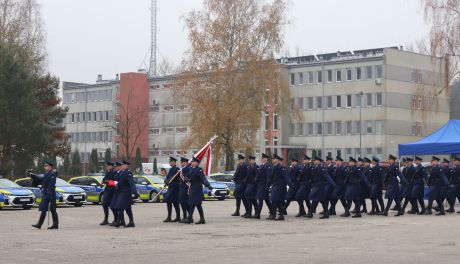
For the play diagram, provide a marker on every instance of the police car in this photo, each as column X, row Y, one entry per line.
column 13, row 195
column 148, row 187
column 92, row 185
column 65, row 192
column 219, row 190
column 225, row 177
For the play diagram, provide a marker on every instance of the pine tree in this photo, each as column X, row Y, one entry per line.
column 155, row 166
column 138, row 160
column 93, row 161
column 108, row 155
column 75, row 167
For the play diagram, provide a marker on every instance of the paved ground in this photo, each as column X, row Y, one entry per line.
column 225, row 239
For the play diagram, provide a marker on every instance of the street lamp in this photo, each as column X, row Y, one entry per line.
column 360, row 123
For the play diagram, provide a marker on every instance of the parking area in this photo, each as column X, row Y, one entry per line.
column 225, row 239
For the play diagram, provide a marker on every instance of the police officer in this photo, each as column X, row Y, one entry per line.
column 303, row 192
column 263, row 175
column 109, row 190
column 114, row 197
column 376, row 182
column 184, row 180
column 338, row 177
column 328, row 187
column 406, row 185
column 125, row 193
column 418, row 187
column 278, row 181
column 293, row 175
column 238, row 178
column 454, row 185
column 48, row 189
column 446, row 172
column 365, row 189
column 353, row 188
column 391, row 180
column 196, row 196
column 435, row 183
column 171, row 196
column 251, row 186
column 317, row 195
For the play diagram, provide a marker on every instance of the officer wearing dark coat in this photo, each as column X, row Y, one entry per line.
column 171, row 197
column 407, row 184
column 263, row 175
column 338, row 176
column 293, row 175
column 436, row 182
column 184, row 180
column 196, row 196
column 418, row 187
column 318, row 181
column 250, row 191
column 115, row 194
column 353, row 184
column 328, row 187
column 48, row 189
column 238, row 178
column 446, row 172
column 365, row 189
column 376, row 181
column 109, row 190
column 303, row 192
column 454, row 185
column 125, row 193
column 278, row 181
column 392, row 183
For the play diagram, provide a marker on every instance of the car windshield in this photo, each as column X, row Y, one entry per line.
column 211, row 180
column 98, row 178
column 5, row 183
column 62, row 183
column 156, row 179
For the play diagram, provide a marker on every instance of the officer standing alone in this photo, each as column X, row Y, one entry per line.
column 48, row 183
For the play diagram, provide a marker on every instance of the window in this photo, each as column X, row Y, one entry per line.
column 369, row 127
column 420, row 100
column 417, row 76
column 339, row 101
column 300, row 103
column 329, row 76
column 378, row 153
column 329, row 128
column 319, row 76
column 182, row 107
column 292, row 132
column 369, row 99
column 310, row 77
column 348, row 127
column 358, row 73
column 106, row 115
column 349, row 73
column 369, row 152
column 83, row 117
column 310, row 103
column 359, row 100
column 378, row 71
column 89, row 117
column 358, row 152
column 168, row 108
column 368, row 72
column 417, row 129
column 275, row 121
column 310, row 129
column 267, row 122
column 338, row 128
column 379, row 127
column 94, row 116
column 358, row 127
column 338, row 75
column 319, row 128
column 72, row 118
column 329, row 101
column 101, row 116
column 379, row 99
column 300, row 129
column 292, row 79
column 319, row 102
column 154, row 131
column 339, row 153
column 181, row 130
column 169, row 130
column 348, row 100
column 347, row 153
column 300, row 78
column 77, row 117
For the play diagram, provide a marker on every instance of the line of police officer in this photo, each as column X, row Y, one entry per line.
column 326, row 183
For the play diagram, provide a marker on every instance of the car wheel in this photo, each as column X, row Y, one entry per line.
column 154, row 195
column 26, row 207
column 78, row 204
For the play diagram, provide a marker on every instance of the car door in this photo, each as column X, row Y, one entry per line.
column 142, row 188
column 27, row 183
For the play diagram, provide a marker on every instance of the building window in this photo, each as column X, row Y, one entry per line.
column 339, row 153
column 329, row 101
column 292, row 132
column 338, row 75
column 300, row 102
column 319, row 128
column 348, row 103
column 168, row 130
column 369, row 127
column 310, row 129
column 379, row 127
column 379, row 99
column 348, row 127
column 358, row 152
column 319, row 102
column 369, row 152
column 300, row 129
column 181, row 130
column 292, row 79
column 378, row 153
column 368, row 99
column 310, row 77
column 182, row 107
column 329, row 128
column 359, row 100
column 329, row 75
column 417, row 76
column 358, row 127
column 72, row 118
column 77, row 117
column 339, row 101
column 300, row 78
column 349, row 74
column 267, row 122
column 338, row 128
column 168, row 108
column 310, row 103
column 319, row 75
column 275, row 121
column 106, row 115
column 358, row 73
column 378, row 71
column 347, row 153
column 417, row 129
column 94, row 116
column 368, row 72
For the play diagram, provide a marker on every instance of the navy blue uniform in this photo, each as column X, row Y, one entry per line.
column 172, row 195
column 437, row 183
column 107, row 195
column 391, row 180
column 183, row 190
column 338, row 192
column 238, row 178
column 278, row 181
column 418, row 188
column 124, row 190
column 251, row 186
column 376, row 176
column 304, row 182
column 454, row 186
column 365, row 189
column 197, row 180
column 48, row 202
column 263, row 175
column 353, row 184
column 293, row 175
column 318, row 181
column 328, row 187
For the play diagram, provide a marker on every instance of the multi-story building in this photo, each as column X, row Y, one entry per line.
column 364, row 103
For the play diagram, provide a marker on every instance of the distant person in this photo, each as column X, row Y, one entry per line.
column 48, row 189
column 163, row 172
column 250, row 191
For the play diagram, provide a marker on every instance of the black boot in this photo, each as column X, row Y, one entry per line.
column 189, row 220
column 271, row 217
column 105, row 222
column 130, row 224
column 325, row 215
column 400, row 212
column 280, row 217
column 167, row 220
column 346, row 214
column 357, row 215
column 309, row 215
column 236, row 213
column 384, row 213
column 332, row 212
column 177, row 219
column 301, row 213
column 201, row 222
column 39, row 224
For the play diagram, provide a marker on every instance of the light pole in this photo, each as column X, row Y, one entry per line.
column 323, row 129
column 360, row 123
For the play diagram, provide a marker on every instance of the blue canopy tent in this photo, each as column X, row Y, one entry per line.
column 445, row 140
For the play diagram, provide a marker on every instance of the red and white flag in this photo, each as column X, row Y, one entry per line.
column 206, row 150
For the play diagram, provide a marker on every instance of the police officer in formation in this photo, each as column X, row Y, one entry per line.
column 454, row 185
column 48, row 189
column 196, row 179
column 376, row 176
column 250, row 191
column 338, row 176
column 318, row 181
column 184, row 184
column 262, row 182
column 124, row 194
column 171, row 197
column 303, row 182
column 109, row 190
column 278, row 182
column 293, row 175
column 239, row 178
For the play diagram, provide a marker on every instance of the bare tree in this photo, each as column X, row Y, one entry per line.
column 166, row 67
column 229, row 68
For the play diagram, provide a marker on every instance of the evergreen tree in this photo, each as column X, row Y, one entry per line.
column 93, row 161
column 75, row 167
column 108, row 154
column 155, row 166
column 138, row 162
column 66, row 166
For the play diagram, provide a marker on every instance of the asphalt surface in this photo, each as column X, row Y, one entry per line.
column 226, row 239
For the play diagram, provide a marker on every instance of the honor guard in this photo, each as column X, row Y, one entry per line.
column 115, row 194
column 353, row 187
column 435, row 184
column 365, row 189
column 250, row 191
column 446, row 172
column 328, row 187
column 392, row 183
column 318, row 180
column 125, row 193
column 109, row 190
column 418, row 187
column 406, row 185
column 305, row 173
column 454, row 185
column 184, row 187
column 263, row 174
column 293, row 175
column 48, row 189
column 338, row 176
column 171, row 197
column 376, row 182
column 196, row 196
column 238, row 178
column 278, row 181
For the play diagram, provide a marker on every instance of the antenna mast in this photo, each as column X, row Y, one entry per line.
column 153, row 41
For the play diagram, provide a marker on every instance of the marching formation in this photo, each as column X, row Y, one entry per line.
column 328, row 182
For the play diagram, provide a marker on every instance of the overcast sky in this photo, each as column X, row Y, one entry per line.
column 91, row 37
